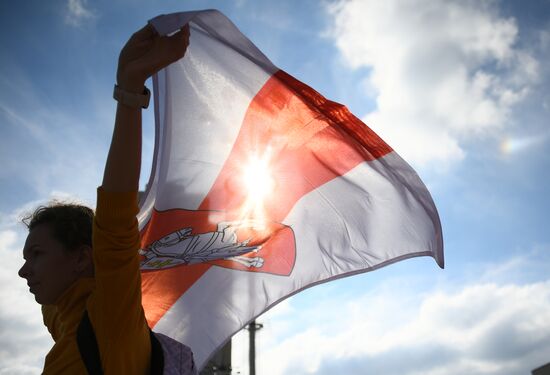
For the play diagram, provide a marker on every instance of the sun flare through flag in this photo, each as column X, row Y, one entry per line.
column 260, row 188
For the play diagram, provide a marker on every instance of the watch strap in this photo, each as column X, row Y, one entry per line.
column 132, row 99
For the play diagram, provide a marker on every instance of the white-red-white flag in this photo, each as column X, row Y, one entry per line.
column 261, row 188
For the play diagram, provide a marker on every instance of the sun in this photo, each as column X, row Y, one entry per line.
column 258, row 181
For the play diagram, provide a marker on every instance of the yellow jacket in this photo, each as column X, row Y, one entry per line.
column 112, row 297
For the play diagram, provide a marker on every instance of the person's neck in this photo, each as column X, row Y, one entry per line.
column 74, row 298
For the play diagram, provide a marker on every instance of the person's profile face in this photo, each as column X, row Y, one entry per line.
column 49, row 268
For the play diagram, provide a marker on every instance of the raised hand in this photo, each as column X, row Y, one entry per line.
column 146, row 53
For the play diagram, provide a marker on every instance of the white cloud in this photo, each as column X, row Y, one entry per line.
column 443, row 71
column 77, row 13
column 481, row 329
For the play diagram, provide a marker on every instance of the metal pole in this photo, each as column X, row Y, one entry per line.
column 252, row 328
column 252, row 347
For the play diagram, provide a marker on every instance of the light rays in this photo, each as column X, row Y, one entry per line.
column 259, row 183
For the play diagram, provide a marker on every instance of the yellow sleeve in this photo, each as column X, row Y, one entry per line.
column 115, row 306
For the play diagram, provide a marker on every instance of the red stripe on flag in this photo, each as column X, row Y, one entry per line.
column 340, row 116
column 303, row 140
column 307, row 139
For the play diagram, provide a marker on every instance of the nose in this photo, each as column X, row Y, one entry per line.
column 24, row 270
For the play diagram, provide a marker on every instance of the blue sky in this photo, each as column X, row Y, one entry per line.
column 460, row 89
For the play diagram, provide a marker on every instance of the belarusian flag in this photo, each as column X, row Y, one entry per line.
column 261, row 188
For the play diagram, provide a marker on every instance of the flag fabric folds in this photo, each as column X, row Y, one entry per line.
column 260, row 188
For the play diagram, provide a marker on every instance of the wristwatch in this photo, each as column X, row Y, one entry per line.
column 132, row 100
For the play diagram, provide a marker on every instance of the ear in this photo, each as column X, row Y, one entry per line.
column 85, row 261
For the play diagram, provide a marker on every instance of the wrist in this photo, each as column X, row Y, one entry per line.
column 130, row 84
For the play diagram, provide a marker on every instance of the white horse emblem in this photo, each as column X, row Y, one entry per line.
column 184, row 247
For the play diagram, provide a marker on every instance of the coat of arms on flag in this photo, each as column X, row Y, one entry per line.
column 260, row 188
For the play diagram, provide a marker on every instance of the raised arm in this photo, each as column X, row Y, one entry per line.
column 144, row 54
column 115, row 307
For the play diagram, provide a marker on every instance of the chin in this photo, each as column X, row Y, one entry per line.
column 41, row 300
